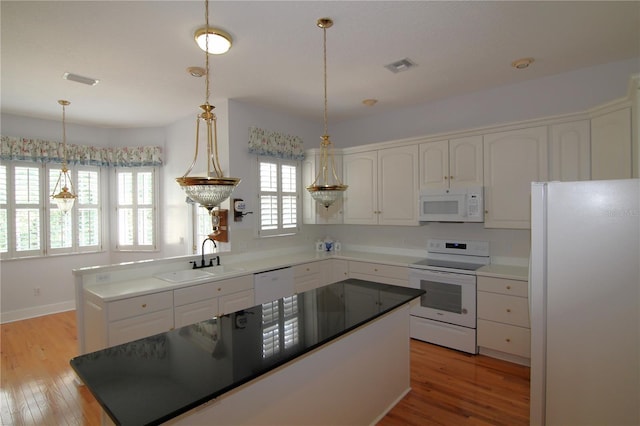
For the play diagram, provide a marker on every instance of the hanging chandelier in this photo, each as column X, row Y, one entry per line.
column 327, row 186
column 211, row 190
column 65, row 198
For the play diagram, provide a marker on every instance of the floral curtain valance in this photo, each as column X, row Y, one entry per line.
column 43, row 151
column 275, row 144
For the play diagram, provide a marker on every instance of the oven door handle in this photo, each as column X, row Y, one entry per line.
column 445, row 277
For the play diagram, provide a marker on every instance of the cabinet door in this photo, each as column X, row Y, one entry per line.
column 134, row 328
column 235, row 302
column 465, row 162
column 569, row 156
column 196, row 312
column 434, row 165
column 398, row 186
column 611, row 145
column 338, row 270
column 512, row 160
column 361, row 198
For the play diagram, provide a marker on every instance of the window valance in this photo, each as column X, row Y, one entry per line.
column 275, row 144
column 43, row 151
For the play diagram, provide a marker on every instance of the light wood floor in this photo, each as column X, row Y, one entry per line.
column 37, row 385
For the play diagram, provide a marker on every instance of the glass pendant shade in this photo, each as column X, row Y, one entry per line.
column 327, row 187
column 213, row 40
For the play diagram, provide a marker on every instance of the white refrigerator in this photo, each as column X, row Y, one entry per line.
column 585, row 303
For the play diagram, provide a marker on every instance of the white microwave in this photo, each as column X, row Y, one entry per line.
column 452, row 205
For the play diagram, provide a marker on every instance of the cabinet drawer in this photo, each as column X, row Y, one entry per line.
column 129, row 329
column 194, row 293
column 506, row 309
column 389, row 271
column 503, row 286
column 234, row 285
column 504, row 338
column 140, row 305
column 307, row 269
column 196, row 312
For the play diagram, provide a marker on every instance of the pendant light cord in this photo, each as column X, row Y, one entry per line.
column 206, row 45
column 324, row 39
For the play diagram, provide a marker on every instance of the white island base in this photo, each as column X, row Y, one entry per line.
column 354, row 380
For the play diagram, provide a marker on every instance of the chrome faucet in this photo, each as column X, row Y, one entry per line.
column 202, row 264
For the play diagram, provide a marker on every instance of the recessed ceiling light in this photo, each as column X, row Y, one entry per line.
column 401, row 65
column 522, row 63
column 80, row 79
column 196, row 71
column 370, row 102
column 219, row 41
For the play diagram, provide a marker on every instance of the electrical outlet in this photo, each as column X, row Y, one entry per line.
column 36, row 291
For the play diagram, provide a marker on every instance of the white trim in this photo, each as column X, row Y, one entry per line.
column 37, row 311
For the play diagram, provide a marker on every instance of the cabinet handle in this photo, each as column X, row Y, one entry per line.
column 219, row 288
column 451, row 177
column 486, row 212
column 508, row 340
column 446, row 177
column 308, row 269
column 508, row 287
column 508, row 310
column 375, row 269
column 144, row 305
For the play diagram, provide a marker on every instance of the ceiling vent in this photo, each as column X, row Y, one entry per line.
column 401, row 65
column 80, row 79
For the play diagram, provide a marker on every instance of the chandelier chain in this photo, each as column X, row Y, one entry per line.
column 206, row 43
column 324, row 39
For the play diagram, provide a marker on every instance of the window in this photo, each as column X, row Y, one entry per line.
column 30, row 222
column 136, row 200
column 279, row 182
column 202, row 229
column 280, row 326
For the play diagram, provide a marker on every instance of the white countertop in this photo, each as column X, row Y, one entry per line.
column 112, row 282
column 520, row 273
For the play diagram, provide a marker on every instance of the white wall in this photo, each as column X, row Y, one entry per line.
column 565, row 93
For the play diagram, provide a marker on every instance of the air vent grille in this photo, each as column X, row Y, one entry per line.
column 80, row 79
column 401, row 65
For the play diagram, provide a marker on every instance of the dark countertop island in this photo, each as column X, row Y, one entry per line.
column 155, row 379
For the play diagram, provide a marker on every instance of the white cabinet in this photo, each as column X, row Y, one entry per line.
column 611, row 145
column 309, row 276
column 570, row 151
column 456, row 163
column 503, row 318
column 138, row 317
column 383, row 187
column 386, row 274
column 312, row 211
column 512, row 160
column 204, row 301
column 338, row 270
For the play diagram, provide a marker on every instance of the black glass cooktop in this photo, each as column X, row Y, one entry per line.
column 152, row 380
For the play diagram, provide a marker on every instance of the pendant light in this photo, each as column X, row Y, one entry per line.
column 327, row 187
column 211, row 190
column 65, row 198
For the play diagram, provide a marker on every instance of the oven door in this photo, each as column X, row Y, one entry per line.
column 449, row 297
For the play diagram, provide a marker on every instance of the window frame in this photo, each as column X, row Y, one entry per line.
column 280, row 229
column 46, row 207
column 136, row 246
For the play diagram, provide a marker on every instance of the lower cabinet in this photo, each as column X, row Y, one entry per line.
column 308, row 276
column 124, row 320
column 337, row 270
column 503, row 319
column 386, row 274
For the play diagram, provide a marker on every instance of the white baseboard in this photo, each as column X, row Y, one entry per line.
column 37, row 311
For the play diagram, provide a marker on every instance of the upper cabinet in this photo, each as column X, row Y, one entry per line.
column 512, row 160
column 456, row 163
column 383, row 187
column 313, row 213
column 569, row 151
column 611, row 145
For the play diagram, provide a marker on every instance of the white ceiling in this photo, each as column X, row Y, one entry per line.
column 139, row 50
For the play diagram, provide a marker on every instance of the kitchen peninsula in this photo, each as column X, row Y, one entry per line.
column 337, row 354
